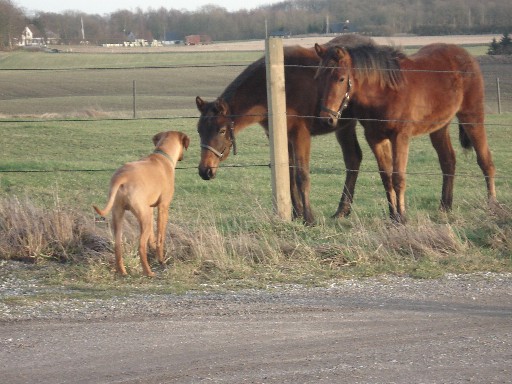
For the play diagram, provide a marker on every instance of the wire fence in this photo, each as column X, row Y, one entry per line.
column 160, row 92
column 159, row 87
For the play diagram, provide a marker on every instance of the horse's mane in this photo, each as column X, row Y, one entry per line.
column 350, row 40
column 379, row 64
column 299, row 56
column 293, row 56
column 229, row 92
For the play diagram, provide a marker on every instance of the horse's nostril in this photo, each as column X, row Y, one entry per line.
column 331, row 121
column 203, row 173
column 206, row 173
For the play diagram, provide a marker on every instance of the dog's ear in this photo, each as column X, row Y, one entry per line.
column 185, row 141
column 157, row 138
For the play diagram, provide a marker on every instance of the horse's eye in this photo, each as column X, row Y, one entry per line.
column 222, row 131
column 342, row 79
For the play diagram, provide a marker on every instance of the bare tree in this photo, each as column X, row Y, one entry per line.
column 378, row 17
column 12, row 22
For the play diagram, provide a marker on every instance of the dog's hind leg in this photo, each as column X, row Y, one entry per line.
column 117, row 228
column 145, row 217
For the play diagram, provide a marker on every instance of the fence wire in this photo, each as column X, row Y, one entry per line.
column 4, row 97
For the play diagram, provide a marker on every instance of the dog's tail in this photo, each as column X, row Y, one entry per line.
column 112, row 196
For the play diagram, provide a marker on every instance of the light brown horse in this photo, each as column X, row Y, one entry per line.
column 244, row 102
column 396, row 97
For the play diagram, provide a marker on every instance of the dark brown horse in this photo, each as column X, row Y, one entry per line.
column 244, row 102
column 396, row 97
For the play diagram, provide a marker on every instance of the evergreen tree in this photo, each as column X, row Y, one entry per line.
column 504, row 47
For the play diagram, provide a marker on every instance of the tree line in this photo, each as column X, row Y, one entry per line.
column 295, row 17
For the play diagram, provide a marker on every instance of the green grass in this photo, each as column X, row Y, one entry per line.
column 224, row 229
column 222, row 232
column 68, row 149
column 66, row 61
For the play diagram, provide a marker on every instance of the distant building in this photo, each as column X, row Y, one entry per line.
column 32, row 37
column 197, row 39
column 28, row 38
column 131, row 37
column 52, row 38
column 284, row 34
column 341, row 27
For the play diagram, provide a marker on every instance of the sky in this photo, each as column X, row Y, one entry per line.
column 102, row 7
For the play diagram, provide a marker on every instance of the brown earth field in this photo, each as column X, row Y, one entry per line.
column 259, row 45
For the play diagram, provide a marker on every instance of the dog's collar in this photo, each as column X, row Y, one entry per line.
column 160, row 152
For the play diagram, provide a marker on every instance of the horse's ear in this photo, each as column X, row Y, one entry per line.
column 157, row 138
column 221, row 106
column 320, row 51
column 200, row 103
column 341, row 53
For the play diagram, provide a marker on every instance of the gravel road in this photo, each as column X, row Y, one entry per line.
column 456, row 329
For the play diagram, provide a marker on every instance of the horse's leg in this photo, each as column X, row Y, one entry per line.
column 400, row 146
column 297, row 209
column 352, row 155
column 442, row 144
column 381, row 148
column 474, row 128
column 301, row 143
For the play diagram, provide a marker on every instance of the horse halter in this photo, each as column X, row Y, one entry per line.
column 343, row 105
column 232, row 140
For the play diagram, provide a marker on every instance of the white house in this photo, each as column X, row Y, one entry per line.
column 28, row 39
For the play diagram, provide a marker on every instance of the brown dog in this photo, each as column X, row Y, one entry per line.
column 140, row 186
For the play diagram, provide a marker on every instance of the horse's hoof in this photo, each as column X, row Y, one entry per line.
column 398, row 219
column 340, row 215
column 309, row 221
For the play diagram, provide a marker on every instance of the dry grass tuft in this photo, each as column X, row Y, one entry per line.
column 424, row 239
column 260, row 251
column 87, row 113
column 30, row 233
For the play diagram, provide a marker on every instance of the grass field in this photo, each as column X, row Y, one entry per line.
column 53, row 168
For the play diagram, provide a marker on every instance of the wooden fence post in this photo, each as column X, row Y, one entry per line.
column 278, row 134
column 134, row 100
column 498, row 94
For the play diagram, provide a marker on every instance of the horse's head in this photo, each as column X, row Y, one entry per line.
column 216, row 131
column 334, row 81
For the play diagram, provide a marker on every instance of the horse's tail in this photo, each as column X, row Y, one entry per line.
column 464, row 139
column 112, row 196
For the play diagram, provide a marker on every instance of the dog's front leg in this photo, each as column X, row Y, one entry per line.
column 163, row 216
column 152, row 239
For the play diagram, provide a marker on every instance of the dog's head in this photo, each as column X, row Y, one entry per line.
column 167, row 140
